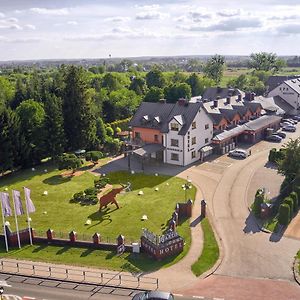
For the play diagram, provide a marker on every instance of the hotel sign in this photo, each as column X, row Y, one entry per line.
column 161, row 246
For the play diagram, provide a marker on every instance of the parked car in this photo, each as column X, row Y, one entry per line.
column 154, row 295
column 294, row 122
column 239, row 153
column 286, row 123
column 297, row 118
column 274, row 138
column 290, row 128
column 281, row 134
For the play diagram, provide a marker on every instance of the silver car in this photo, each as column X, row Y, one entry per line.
column 154, row 295
column 239, row 153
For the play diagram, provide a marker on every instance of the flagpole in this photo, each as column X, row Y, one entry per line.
column 4, row 227
column 28, row 219
column 16, row 219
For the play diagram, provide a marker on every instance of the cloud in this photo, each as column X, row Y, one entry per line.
column 151, row 15
column 289, row 29
column 4, row 25
column 229, row 13
column 12, row 20
column 198, row 16
column 148, row 7
column 117, row 19
column 232, row 24
column 2, row 15
column 52, row 12
column 286, row 17
column 72, row 23
column 30, row 26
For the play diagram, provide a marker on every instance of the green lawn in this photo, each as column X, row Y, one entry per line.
column 210, row 252
column 298, row 255
column 64, row 216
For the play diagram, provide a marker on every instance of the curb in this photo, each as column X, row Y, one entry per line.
column 295, row 270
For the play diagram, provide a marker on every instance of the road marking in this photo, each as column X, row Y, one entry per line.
column 218, row 298
column 11, row 297
column 178, row 295
column 4, row 283
column 28, row 298
column 198, row 297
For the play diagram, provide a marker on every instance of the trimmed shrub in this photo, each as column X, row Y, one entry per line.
column 91, row 191
column 101, row 182
column 123, row 124
column 285, row 188
column 93, row 156
column 109, row 131
column 272, row 155
column 297, row 191
column 258, row 201
column 294, row 196
column 69, row 161
column 284, row 214
column 289, row 201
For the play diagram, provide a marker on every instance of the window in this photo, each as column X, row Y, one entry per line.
column 174, row 143
column 206, row 141
column 156, row 138
column 194, row 140
column 193, row 154
column 137, row 135
column 175, row 156
column 206, row 126
column 174, row 127
column 194, row 125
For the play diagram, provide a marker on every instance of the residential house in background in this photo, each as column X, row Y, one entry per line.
column 275, row 80
column 288, row 93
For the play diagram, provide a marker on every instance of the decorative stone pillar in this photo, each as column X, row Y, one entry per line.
column 189, row 208
column 50, row 234
column 120, row 240
column 96, row 238
column 73, row 236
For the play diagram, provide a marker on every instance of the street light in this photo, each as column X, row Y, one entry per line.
column 186, row 187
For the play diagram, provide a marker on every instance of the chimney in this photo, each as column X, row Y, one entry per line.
column 219, row 89
column 239, row 97
column 230, row 92
column 248, row 96
column 228, row 100
column 215, row 103
column 252, row 96
column 162, row 101
column 181, row 101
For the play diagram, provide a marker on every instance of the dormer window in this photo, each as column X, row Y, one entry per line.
column 175, row 126
column 146, row 118
column 157, row 119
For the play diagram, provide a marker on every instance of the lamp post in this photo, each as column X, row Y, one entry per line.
column 186, row 186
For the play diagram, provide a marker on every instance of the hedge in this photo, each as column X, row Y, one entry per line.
column 284, row 214
column 123, row 124
column 289, row 201
column 294, row 196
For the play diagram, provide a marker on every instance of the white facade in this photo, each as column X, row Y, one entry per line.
column 288, row 94
column 184, row 149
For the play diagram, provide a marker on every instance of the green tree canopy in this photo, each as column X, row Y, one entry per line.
column 154, row 94
column 264, row 61
column 138, row 84
column 176, row 91
column 155, row 78
column 214, row 68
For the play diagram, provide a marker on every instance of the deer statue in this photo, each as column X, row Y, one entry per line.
column 110, row 198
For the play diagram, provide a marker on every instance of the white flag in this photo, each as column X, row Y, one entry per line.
column 18, row 203
column 29, row 203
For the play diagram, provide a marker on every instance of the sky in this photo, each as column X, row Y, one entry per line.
column 66, row 29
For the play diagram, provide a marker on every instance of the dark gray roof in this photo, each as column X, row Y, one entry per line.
column 228, row 113
column 166, row 112
column 212, row 93
column 253, row 106
column 148, row 149
column 216, row 118
column 274, row 81
column 241, row 109
column 261, row 122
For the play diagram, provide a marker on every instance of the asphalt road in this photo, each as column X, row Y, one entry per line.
column 32, row 289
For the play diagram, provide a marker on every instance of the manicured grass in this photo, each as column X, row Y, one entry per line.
column 210, row 252
column 271, row 224
column 96, row 258
column 298, row 255
column 63, row 215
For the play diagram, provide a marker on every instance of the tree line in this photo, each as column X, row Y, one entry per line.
column 44, row 113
